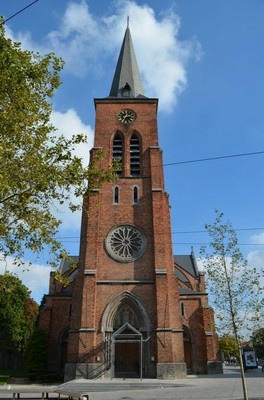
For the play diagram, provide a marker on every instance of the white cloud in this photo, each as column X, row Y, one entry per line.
column 256, row 260
column 24, row 38
column 258, row 239
column 68, row 124
column 35, row 277
column 162, row 57
column 86, row 43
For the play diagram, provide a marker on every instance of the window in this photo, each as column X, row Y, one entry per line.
column 135, row 195
column 182, row 309
column 118, row 152
column 116, row 195
column 126, row 90
column 134, row 155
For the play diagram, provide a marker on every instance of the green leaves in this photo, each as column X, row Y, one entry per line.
column 37, row 168
column 18, row 313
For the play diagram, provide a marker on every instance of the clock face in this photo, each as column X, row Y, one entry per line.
column 125, row 243
column 126, row 116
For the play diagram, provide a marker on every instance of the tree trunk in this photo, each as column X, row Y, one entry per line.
column 244, row 384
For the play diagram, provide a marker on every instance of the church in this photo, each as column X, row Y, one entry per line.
column 132, row 308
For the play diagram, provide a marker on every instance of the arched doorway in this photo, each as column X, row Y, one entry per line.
column 126, row 329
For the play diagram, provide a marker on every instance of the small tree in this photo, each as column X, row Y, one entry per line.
column 234, row 285
column 228, row 346
column 36, row 352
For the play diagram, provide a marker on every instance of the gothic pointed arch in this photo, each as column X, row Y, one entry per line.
column 125, row 308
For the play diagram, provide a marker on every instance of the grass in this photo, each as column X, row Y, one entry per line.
column 3, row 380
column 7, row 373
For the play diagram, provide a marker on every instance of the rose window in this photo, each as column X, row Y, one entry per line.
column 125, row 243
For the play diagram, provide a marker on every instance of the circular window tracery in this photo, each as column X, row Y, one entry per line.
column 125, row 243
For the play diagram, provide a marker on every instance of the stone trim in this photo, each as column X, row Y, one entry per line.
column 156, row 190
column 161, row 271
column 163, row 329
column 125, row 282
column 82, row 330
column 89, row 272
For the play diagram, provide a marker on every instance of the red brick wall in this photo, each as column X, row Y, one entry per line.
column 151, row 215
column 151, row 278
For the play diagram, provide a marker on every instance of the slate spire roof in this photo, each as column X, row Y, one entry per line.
column 127, row 82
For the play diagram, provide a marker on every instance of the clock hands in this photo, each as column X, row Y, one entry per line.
column 126, row 116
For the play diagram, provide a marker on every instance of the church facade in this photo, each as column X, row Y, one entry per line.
column 132, row 308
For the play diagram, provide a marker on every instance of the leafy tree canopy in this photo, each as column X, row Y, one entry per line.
column 228, row 345
column 18, row 313
column 36, row 351
column 258, row 336
column 258, row 342
column 36, row 166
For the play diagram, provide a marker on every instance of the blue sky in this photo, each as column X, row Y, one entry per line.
column 204, row 60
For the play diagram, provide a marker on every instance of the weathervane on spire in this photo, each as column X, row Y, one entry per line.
column 127, row 22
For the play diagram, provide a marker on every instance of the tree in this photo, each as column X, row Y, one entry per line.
column 228, row 346
column 234, row 285
column 18, row 313
column 258, row 342
column 36, row 352
column 37, row 168
column 259, row 336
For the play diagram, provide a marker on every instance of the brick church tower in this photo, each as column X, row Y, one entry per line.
column 132, row 308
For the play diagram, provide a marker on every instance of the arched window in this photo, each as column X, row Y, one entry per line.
column 134, row 155
column 135, row 195
column 118, row 152
column 126, row 90
column 116, row 194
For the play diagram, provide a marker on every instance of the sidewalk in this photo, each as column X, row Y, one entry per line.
column 201, row 387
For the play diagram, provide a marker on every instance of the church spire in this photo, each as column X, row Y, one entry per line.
column 127, row 82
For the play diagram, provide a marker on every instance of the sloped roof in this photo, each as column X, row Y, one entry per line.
column 127, row 73
column 188, row 263
column 67, row 262
column 181, row 276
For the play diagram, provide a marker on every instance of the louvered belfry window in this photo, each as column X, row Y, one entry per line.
column 118, row 152
column 134, row 155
